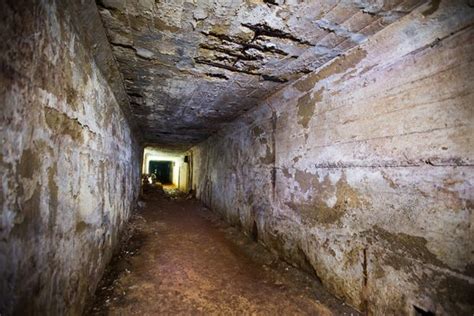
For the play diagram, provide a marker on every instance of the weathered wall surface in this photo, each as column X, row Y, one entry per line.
column 190, row 67
column 69, row 162
column 363, row 170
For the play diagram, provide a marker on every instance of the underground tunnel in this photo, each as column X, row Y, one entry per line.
column 237, row 157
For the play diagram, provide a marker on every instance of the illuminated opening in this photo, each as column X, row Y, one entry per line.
column 162, row 170
column 167, row 167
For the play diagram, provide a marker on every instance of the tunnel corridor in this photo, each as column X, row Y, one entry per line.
column 237, row 157
column 183, row 259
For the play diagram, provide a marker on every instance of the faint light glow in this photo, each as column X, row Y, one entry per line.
column 180, row 169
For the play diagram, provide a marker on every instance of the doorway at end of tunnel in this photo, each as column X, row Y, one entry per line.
column 162, row 170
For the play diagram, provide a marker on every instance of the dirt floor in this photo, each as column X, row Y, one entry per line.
column 179, row 258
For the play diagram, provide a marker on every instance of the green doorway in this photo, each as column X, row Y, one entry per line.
column 163, row 170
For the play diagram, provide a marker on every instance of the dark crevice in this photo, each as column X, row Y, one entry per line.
column 101, row 4
column 241, row 55
column 215, row 75
column 127, row 46
column 200, row 60
column 274, row 79
column 272, row 2
column 326, row 28
column 255, row 231
column 274, row 167
column 305, row 71
column 421, row 312
column 263, row 29
column 246, row 45
column 135, row 94
column 229, row 59
column 365, row 282
column 365, row 11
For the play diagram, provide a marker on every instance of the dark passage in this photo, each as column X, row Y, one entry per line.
column 162, row 170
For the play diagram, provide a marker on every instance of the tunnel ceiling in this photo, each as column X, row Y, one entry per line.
column 191, row 66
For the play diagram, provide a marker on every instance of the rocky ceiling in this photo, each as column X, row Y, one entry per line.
column 191, row 66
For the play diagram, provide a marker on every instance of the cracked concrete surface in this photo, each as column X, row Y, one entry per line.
column 192, row 67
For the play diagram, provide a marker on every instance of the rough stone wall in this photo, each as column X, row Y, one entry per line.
column 69, row 162
column 363, row 170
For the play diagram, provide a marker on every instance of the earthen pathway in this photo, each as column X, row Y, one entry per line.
column 182, row 259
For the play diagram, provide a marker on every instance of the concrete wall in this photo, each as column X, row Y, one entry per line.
column 363, row 170
column 70, row 166
column 183, row 177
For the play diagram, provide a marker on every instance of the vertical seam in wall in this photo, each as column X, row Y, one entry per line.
column 273, row 171
column 365, row 302
column 274, row 174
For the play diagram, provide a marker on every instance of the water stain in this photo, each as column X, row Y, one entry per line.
column 29, row 163
column 62, row 124
column 434, row 5
column 81, row 226
column 316, row 210
column 257, row 131
column 269, row 157
column 306, row 105
column 404, row 244
column 305, row 109
column 53, row 196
